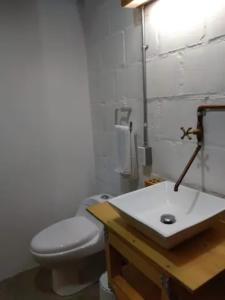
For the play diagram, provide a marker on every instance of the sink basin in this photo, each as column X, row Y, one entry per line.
column 169, row 217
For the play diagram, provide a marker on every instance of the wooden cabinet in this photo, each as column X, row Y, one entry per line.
column 141, row 270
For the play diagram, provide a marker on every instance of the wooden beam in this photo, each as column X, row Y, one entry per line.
column 143, row 265
column 125, row 2
column 134, row 3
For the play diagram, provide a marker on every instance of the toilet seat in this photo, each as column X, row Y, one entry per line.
column 64, row 236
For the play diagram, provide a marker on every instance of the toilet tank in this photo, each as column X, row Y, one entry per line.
column 82, row 209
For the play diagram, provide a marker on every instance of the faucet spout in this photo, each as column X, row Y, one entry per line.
column 176, row 186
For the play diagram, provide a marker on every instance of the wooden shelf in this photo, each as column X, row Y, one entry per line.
column 124, row 290
column 141, row 283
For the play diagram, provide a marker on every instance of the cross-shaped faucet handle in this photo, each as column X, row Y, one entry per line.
column 190, row 131
column 187, row 133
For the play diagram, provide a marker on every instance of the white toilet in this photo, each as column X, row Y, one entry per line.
column 73, row 249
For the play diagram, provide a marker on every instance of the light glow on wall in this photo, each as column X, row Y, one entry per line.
column 174, row 16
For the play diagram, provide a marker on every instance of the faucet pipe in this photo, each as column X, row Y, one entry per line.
column 202, row 109
column 199, row 132
column 198, row 148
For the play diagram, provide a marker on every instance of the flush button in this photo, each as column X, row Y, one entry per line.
column 104, row 197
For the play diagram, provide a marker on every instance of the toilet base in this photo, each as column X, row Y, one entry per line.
column 69, row 279
column 66, row 283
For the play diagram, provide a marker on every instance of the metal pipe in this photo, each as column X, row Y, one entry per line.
column 144, row 79
column 176, row 186
column 202, row 109
column 206, row 107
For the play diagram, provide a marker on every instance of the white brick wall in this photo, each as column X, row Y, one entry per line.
column 113, row 51
column 185, row 67
column 163, row 76
column 204, row 69
column 215, row 21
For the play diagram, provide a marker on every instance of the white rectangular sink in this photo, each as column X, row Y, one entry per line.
column 191, row 212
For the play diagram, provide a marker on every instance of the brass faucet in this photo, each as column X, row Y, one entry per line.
column 199, row 132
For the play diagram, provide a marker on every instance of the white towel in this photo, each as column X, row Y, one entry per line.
column 123, row 149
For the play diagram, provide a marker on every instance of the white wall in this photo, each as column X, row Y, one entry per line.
column 186, row 67
column 46, row 149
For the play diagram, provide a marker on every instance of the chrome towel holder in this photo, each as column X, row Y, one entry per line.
column 120, row 117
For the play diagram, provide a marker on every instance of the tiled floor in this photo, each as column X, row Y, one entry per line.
column 35, row 285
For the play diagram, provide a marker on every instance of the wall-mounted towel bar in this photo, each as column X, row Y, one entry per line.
column 122, row 118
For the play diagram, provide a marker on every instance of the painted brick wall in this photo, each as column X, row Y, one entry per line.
column 185, row 68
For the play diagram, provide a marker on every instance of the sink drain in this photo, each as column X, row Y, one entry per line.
column 168, row 219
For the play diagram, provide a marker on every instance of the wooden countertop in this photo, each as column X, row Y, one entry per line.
column 193, row 263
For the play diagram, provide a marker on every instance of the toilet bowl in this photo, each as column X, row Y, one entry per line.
column 72, row 249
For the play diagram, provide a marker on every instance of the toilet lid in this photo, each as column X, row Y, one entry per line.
column 64, row 235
